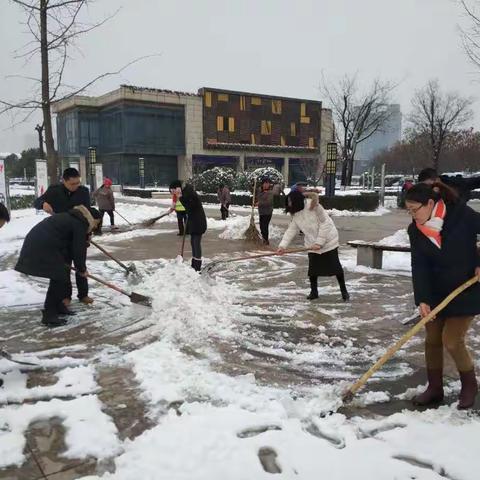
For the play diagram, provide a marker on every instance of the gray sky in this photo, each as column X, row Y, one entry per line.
column 269, row 46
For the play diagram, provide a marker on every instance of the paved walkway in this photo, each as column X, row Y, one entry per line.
column 280, row 316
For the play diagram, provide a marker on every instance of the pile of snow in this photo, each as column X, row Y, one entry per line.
column 89, row 431
column 398, row 239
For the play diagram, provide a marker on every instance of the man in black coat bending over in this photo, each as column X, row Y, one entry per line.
column 48, row 250
column 60, row 199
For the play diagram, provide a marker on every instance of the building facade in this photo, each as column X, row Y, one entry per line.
column 179, row 133
column 383, row 139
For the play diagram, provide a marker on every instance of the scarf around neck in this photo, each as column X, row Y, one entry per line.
column 432, row 229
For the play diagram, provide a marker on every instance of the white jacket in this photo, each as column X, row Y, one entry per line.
column 316, row 225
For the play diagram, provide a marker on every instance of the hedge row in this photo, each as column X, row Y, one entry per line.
column 26, row 201
column 365, row 202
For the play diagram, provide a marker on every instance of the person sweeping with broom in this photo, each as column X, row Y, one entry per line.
column 443, row 236
column 320, row 234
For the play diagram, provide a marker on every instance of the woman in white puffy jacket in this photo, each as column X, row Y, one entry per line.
column 320, row 234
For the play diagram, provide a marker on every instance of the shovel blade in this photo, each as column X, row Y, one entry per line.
column 140, row 299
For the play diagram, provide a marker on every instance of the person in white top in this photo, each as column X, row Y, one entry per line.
column 320, row 234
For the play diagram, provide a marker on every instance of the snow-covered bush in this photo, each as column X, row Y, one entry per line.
column 245, row 180
column 210, row 180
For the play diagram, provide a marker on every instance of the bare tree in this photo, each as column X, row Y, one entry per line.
column 437, row 116
column 471, row 33
column 358, row 114
column 312, row 168
column 54, row 27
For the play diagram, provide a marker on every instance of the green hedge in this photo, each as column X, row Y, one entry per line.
column 365, row 202
column 16, row 203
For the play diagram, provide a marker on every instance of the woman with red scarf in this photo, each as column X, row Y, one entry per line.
column 443, row 237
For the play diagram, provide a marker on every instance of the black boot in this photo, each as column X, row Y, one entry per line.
column 50, row 319
column 313, row 288
column 433, row 395
column 469, row 390
column 345, row 295
column 343, row 287
column 196, row 264
column 1, row 382
column 62, row 309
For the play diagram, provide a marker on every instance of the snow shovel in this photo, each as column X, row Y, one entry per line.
column 151, row 221
column 129, row 269
column 134, row 297
column 5, row 354
column 212, row 265
column 348, row 395
column 121, row 216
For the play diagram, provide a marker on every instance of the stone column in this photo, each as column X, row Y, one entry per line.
column 241, row 163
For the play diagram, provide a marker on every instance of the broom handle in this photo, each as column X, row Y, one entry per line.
column 272, row 254
column 103, row 282
column 414, row 330
column 254, row 194
column 122, row 217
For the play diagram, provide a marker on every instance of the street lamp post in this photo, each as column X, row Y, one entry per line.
column 92, row 160
column 141, row 171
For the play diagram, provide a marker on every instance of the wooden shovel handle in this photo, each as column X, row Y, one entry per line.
column 103, row 282
column 109, row 255
column 271, row 254
column 413, row 331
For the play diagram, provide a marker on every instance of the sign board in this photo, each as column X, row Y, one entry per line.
column 98, row 175
column 3, row 184
column 41, row 184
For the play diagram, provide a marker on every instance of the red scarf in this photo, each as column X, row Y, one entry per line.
column 432, row 229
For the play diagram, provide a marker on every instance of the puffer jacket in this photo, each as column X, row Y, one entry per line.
column 316, row 225
column 104, row 198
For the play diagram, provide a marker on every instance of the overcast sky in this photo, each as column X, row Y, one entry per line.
column 268, row 46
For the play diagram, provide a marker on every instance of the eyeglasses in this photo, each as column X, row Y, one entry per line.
column 413, row 211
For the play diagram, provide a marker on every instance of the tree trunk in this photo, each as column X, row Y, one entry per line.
column 47, row 115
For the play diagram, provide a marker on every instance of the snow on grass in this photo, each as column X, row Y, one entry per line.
column 89, row 431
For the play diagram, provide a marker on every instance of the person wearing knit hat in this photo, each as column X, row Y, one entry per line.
column 105, row 200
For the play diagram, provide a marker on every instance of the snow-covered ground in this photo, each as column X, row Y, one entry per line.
column 238, row 373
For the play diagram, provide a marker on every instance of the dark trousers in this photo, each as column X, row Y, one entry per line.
column 196, row 243
column 182, row 221
column 340, row 280
column 110, row 214
column 57, row 291
column 264, row 223
column 224, row 211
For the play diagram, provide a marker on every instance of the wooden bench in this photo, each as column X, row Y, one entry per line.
column 370, row 254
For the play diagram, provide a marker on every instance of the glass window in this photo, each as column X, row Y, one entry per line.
column 266, row 127
column 276, row 107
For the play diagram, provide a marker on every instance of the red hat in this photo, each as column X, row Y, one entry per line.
column 107, row 182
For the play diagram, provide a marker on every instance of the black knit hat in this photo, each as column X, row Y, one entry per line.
column 175, row 184
column 295, row 202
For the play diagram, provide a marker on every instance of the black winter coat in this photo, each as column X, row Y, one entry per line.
column 437, row 272
column 197, row 222
column 62, row 200
column 49, row 246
